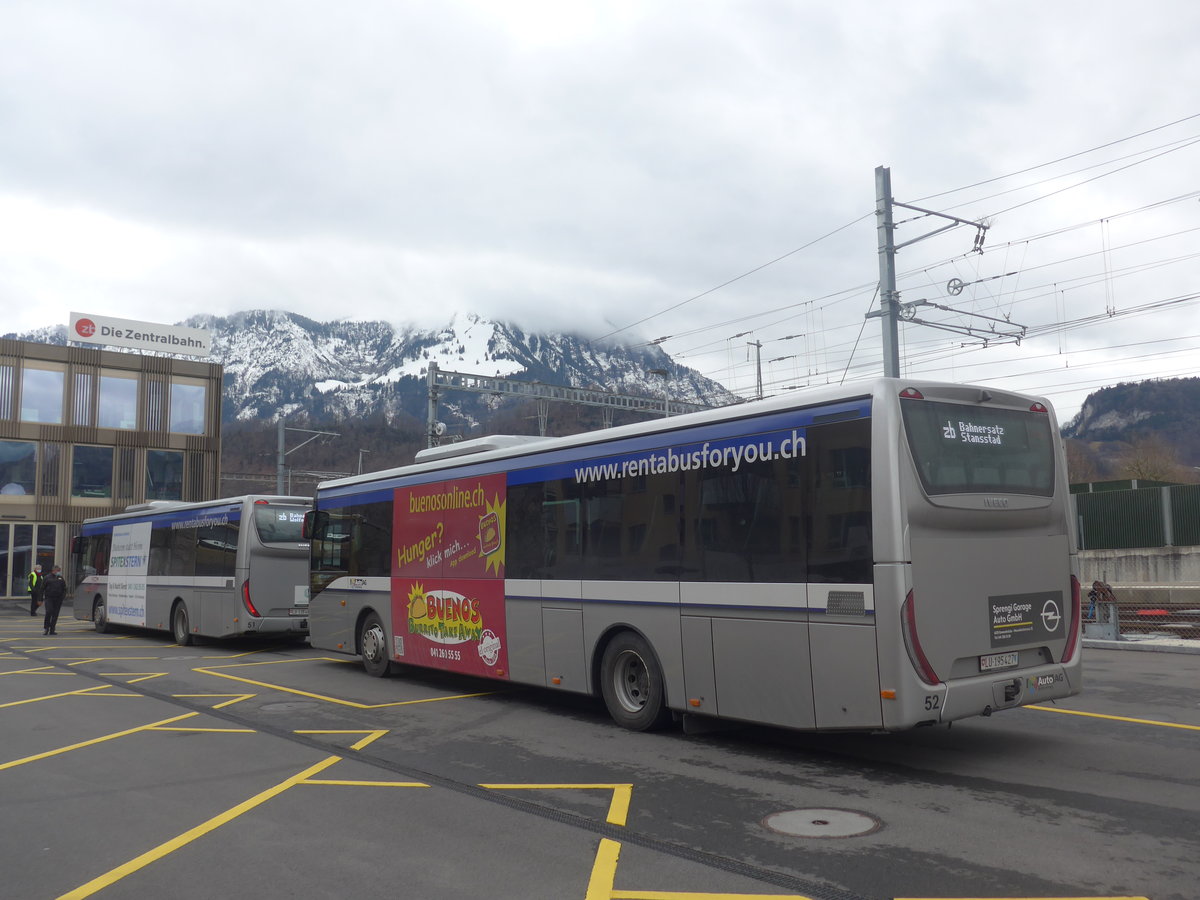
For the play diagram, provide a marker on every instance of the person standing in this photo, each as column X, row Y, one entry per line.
column 36, row 584
column 53, row 594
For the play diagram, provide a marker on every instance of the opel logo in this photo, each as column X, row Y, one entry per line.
column 1051, row 616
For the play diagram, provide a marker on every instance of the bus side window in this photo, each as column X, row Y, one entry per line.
column 840, row 544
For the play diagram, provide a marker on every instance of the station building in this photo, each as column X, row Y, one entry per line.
column 85, row 432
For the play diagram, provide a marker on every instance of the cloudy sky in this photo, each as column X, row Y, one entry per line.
column 696, row 171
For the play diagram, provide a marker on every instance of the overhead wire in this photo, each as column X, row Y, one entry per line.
column 814, row 308
column 736, row 278
column 1053, row 162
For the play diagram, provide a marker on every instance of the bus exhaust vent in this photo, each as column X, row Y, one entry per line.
column 847, row 603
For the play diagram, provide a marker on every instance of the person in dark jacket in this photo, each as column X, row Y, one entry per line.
column 53, row 593
column 37, row 581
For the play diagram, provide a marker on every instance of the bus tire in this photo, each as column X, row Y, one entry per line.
column 631, row 682
column 372, row 646
column 100, row 616
column 181, row 626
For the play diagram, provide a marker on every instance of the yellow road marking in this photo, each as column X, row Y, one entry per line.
column 206, row 730
column 77, row 661
column 618, row 809
column 237, row 655
column 167, row 847
column 134, row 677
column 686, row 895
column 236, row 698
column 37, row 670
column 100, row 740
column 330, row 781
column 211, row 670
column 78, row 646
column 370, row 734
column 604, row 871
column 1092, row 715
column 78, row 693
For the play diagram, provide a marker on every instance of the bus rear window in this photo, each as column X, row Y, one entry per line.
column 279, row 524
column 975, row 449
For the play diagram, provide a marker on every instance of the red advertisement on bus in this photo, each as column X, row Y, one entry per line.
column 448, row 576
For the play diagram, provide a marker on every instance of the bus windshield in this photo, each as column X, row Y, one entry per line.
column 974, row 449
column 279, row 524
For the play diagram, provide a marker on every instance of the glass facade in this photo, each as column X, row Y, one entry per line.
column 42, row 395
column 118, row 401
column 85, row 432
column 187, row 407
column 21, row 547
column 164, row 475
column 92, row 472
column 18, row 468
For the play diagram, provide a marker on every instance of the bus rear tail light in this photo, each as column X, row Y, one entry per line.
column 246, row 600
column 908, row 621
column 1073, row 624
column 911, row 393
column 1038, row 407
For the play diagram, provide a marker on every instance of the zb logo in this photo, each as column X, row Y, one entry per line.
column 948, row 431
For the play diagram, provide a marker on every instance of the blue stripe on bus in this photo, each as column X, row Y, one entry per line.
column 542, row 464
column 162, row 519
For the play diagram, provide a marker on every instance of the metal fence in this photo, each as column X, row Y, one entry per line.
column 1136, row 614
column 1142, row 517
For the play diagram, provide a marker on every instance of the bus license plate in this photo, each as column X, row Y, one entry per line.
column 993, row 661
column 298, row 611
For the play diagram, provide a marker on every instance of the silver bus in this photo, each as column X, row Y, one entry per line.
column 871, row 557
column 218, row 569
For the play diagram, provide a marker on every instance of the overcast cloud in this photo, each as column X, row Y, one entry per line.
column 583, row 166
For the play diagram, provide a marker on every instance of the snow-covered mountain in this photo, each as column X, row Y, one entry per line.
column 282, row 364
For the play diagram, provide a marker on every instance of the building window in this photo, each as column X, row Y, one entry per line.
column 18, row 468
column 187, row 407
column 42, row 395
column 118, row 401
column 164, row 475
column 92, row 472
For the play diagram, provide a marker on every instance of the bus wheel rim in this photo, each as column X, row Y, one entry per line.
column 372, row 644
column 631, row 681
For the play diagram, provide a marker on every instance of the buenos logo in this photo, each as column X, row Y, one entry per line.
column 444, row 616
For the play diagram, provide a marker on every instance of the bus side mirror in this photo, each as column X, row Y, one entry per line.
column 77, row 544
column 315, row 523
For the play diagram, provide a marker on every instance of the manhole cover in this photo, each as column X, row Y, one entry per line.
column 822, row 823
column 288, row 706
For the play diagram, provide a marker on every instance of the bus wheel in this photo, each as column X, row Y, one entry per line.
column 100, row 615
column 632, row 684
column 180, row 625
column 372, row 644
